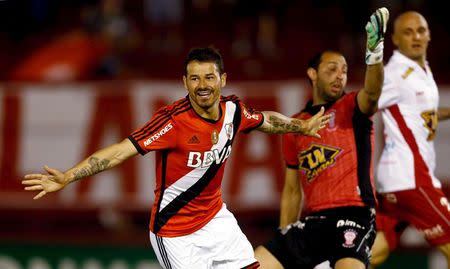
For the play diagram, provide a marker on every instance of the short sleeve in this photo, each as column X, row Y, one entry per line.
column 157, row 134
column 389, row 94
column 250, row 118
column 290, row 150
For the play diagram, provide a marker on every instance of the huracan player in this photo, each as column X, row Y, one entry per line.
column 335, row 173
column 190, row 225
column 409, row 191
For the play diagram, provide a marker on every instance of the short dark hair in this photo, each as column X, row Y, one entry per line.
column 209, row 54
column 315, row 61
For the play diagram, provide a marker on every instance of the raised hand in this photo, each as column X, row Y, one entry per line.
column 315, row 123
column 45, row 183
column 376, row 28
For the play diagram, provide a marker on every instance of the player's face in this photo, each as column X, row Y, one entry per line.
column 331, row 77
column 204, row 84
column 411, row 36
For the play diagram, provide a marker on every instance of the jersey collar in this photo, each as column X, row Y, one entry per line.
column 312, row 110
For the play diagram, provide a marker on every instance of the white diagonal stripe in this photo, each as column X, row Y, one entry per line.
column 185, row 182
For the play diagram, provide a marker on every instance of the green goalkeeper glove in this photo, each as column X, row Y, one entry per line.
column 376, row 28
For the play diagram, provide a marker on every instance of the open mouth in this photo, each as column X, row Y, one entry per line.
column 204, row 93
column 336, row 87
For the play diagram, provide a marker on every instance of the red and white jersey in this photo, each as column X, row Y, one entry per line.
column 408, row 105
column 191, row 156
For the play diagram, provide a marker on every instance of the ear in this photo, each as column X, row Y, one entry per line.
column 185, row 82
column 223, row 79
column 312, row 73
column 394, row 39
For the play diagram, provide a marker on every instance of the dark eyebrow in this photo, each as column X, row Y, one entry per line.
column 196, row 75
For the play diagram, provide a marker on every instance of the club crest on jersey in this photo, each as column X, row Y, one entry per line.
column 431, row 123
column 332, row 122
column 229, row 130
column 316, row 159
column 349, row 238
column 214, row 137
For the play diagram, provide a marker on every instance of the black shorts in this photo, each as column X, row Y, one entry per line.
column 332, row 234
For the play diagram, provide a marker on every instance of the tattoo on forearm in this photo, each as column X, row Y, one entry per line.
column 280, row 126
column 95, row 166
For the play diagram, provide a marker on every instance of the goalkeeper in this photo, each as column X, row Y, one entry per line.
column 334, row 174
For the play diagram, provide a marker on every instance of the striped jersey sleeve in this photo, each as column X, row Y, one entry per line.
column 250, row 118
column 157, row 134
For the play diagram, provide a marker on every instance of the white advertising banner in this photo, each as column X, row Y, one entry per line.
column 59, row 125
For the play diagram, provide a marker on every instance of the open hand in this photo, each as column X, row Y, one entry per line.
column 316, row 123
column 45, row 183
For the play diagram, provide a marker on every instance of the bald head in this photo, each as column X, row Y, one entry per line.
column 405, row 19
column 411, row 36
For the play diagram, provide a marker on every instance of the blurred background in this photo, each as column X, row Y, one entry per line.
column 80, row 75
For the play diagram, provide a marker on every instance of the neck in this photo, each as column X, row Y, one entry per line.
column 421, row 61
column 317, row 99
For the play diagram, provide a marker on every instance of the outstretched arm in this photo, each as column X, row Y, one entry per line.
column 443, row 113
column 373, row 82
column 101, row 160
column 276, row 123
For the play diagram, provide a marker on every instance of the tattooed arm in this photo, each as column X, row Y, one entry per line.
column 101, row 160
column 276, row 123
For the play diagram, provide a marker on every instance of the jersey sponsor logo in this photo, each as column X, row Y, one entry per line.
column 407, row 72
column 156, row 136
column 444, row 203
column 430, row 122
column 348, row 223
column 194, row 140
column 433, row 232
column 249, row 115
column 316, row 159
column 420, row 93
column 205, row 159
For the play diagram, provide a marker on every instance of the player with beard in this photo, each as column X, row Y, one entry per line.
column 335, row 173
column 190, row 225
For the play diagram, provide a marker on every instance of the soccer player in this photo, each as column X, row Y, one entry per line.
column 409, row 191
column 190, row 225
column 335, row 172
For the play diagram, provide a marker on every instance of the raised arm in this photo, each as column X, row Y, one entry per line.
column 373, row 82
column 276, row 123
column 291, row 198
column 443, row 113
column 101, row 160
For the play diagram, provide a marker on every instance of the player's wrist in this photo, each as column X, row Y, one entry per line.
column 283, row 230
column 375, row 56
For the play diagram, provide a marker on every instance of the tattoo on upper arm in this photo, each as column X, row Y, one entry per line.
column 277, row 125
column 95, row 166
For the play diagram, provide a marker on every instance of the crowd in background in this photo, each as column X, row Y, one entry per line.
column 45, row 40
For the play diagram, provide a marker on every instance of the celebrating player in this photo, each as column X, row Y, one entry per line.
column 190, row 225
